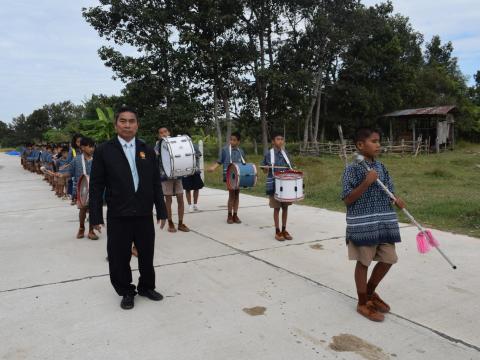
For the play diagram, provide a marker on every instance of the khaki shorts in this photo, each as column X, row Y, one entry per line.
column 172, row 187
column 366, row 254
column 275, row 204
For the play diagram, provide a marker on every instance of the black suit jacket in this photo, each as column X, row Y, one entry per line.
column 111, row 173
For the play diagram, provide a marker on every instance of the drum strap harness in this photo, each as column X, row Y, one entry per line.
column 272, row 159
column 230, row 153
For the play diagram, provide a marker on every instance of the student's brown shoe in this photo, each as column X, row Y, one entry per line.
column 183, row 227
column 236, row 219
column 286, row 235
column 279, row 236
column 230, row 219
column 81, row 233
column 92, row 235
column 171, row 227
column 370, row 312
column 379, row 304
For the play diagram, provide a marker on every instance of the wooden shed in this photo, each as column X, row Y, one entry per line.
column 432, row 125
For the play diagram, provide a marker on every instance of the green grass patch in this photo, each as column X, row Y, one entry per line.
column 441, row 190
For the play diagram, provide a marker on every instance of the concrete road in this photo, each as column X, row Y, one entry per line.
column 231, row 291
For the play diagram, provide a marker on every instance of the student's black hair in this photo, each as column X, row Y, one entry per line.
column 123, row 109
column 74, row 140
column 237, row 135
column 64, row 149
column 163, row 127
column 86, row 141
column 363, row 133
column 274, row 134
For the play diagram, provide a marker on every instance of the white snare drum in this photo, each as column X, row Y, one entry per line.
column 178, row 156
column 289, row 186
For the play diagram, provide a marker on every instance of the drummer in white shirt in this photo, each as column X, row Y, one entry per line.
column 278, row 157
column 170, row 187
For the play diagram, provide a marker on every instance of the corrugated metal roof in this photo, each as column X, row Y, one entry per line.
column 437, row 110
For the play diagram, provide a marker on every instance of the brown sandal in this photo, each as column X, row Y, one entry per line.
column 379, row 304
column 370, row 312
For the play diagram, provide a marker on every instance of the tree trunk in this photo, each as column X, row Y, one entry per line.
column 308, row 118
column 317, row 117
column 217, row 122
column 226, row 105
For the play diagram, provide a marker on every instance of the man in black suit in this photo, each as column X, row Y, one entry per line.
column 125, row 169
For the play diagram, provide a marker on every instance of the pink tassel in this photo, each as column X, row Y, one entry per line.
column 423, row 245
column 432, row 241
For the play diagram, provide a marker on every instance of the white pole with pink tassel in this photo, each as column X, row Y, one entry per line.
column 425, row 239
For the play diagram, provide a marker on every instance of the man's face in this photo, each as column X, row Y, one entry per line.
column 278, row 142
column 126, row 125
column 370, row 147
column 163, row 133
column 234, row 142
column 87, row 149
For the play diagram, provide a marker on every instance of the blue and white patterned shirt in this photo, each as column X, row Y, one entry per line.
column 279, row 161
column 371, row 219
column 237, row 155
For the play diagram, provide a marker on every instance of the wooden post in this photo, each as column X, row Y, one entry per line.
column 437, row 145
column 202, row 165
column 391, row 131
column 413, row 136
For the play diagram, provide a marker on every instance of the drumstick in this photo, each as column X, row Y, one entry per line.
column 276, row 167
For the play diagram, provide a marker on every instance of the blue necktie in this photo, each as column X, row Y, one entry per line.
column 131, row 162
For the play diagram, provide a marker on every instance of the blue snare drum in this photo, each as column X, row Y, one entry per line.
column 241, row 176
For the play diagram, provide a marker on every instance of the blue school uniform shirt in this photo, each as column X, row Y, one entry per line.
column 371, row 219
column 76, row 170
column 61, row 162
column 224, row 159
column 279, row 161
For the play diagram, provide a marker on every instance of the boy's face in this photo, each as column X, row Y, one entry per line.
column 87, row 149
column 234, row 142
column 163, row 133
column 64, row 154
column 278, row 142
column 78, row 141
column 370, row 147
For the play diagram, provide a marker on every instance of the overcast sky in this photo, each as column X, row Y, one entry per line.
column 48, row 53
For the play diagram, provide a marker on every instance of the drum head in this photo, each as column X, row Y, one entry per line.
column 233, row 180
column 166, row 155
column 82, row 190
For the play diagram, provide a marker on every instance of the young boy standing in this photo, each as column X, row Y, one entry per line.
column 170, row 187
column 372, row 225
column 82, row 165
column 231, row 153
column 277, row 161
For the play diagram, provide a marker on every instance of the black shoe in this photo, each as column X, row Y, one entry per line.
column 151, row 294
column 127, row 302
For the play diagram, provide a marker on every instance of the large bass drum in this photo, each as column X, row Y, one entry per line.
column 178, row 156
column 241, row 176
column 82, row 191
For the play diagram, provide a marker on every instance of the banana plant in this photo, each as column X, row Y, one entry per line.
column 100, row 129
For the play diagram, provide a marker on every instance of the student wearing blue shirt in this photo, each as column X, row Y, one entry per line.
column 231, row 153
column 372, row 224
column 63, row 173
column 82, row 165
column 278, row 157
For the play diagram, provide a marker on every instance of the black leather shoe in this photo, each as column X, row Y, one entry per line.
column 151, row 294
column 127, row 302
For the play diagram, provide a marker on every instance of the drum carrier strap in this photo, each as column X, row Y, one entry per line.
column 230, row 153
column 272, row 159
